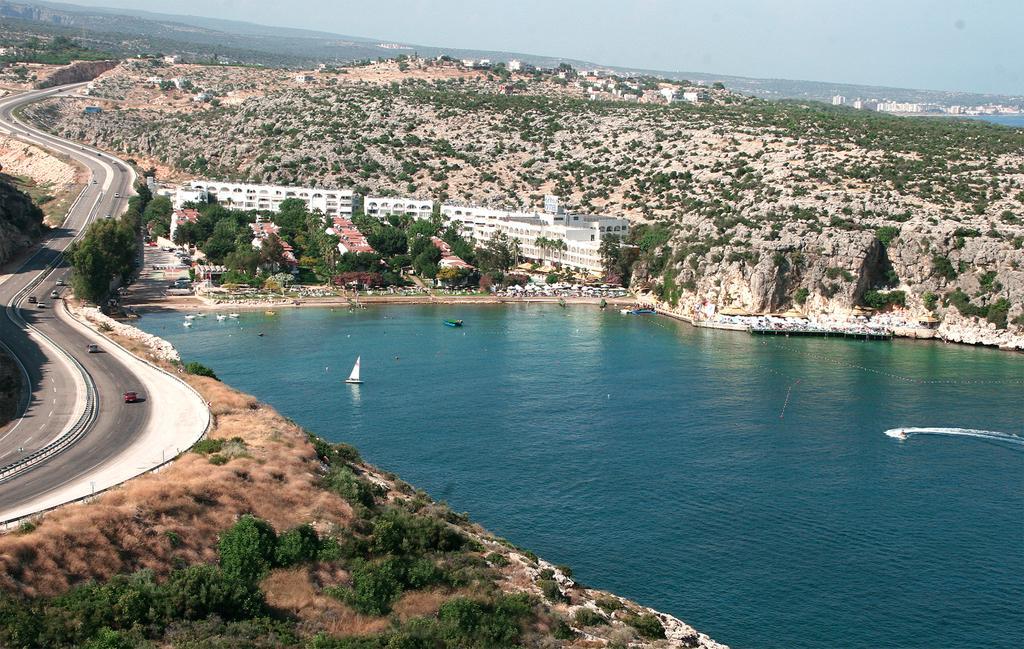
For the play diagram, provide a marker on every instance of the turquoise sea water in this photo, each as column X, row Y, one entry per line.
column 743, row 484
column 1016, row 121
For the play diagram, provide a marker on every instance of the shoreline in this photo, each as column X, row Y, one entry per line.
column 226, row 403
column 193, row 304
column 189, row 304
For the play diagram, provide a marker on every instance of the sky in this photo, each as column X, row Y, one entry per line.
column 964, row 45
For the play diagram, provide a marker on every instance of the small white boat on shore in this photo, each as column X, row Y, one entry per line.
column 353, row 378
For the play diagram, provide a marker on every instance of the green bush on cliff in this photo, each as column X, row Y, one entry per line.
column 943, row 267
column 647, row 625
column 884, row 299
column 193, row 367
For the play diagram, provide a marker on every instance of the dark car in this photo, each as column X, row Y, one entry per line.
column 131, row 397
column 32, row 299
column 93, row 348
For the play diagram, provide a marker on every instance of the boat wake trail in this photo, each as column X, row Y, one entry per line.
column 994, row 435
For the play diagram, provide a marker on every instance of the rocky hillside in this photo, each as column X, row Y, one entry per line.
column 750, row 203
column 265, row 536
column 21, row 221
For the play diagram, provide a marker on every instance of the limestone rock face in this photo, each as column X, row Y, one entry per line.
column 21, row 221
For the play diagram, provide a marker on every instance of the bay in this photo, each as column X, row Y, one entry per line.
column 743, row 484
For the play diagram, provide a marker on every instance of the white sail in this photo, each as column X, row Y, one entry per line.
column 354, row 376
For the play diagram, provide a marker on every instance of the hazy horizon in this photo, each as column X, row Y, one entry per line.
column 953, row 46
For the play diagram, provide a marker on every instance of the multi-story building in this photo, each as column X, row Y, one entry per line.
column 244, row 196
column 562, row 239
column 383, row 206
column 838, row 100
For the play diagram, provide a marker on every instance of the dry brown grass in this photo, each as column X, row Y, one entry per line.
column 126, row 528
column 294, row 591
column 418, row 603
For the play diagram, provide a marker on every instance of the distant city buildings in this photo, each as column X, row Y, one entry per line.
column 838, row 100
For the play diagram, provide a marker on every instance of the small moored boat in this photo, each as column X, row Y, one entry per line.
column 453, row 323
column 354, row 376
column 232, row 315
column 221, row 318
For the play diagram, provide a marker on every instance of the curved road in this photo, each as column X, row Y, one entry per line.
column 57, row 394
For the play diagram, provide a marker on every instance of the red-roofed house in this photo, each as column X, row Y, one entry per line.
column 350, row 238
column 262, row 230
column 448, row 258
column 182, row 216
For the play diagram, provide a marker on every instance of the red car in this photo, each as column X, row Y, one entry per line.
column 131, row 397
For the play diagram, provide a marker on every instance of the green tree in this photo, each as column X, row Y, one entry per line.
column 248, row 549
column 107, row 250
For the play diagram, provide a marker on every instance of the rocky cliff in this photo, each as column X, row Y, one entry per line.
column 76, row 72
column 755, row 204
column 21, row 221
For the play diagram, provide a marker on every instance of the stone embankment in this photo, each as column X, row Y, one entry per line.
column 162, row 349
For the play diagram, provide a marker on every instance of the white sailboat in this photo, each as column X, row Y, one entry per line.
column 354, row 376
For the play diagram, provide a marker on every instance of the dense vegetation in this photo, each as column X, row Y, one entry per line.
column 391, row 549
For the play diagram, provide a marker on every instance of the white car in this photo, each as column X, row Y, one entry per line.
column 116, row 195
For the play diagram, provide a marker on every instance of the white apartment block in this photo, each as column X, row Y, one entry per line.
column 838, row 100
column 581, row 233
column 515, row 65
column 244, row 196
column 900, row 107
column 384, row 206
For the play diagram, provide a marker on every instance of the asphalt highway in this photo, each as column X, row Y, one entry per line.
column 57, row 385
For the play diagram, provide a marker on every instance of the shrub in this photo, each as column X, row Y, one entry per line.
column 997, row 312
column 206, row 446
column 472, row 623
column 887, row 233
column 203, row 590
column 647, row 625
column 608, row 604
column 884, row 299
column 551, row 590
column 375, row 585
column 192, row 367
column 589, row 617
column 396, row 532
column 248, row 549
column 943, row 267
column 930, row 300
column 801, row 295
column 218, row 459
column 297, row 545
column 342, row 481
column 498, row 560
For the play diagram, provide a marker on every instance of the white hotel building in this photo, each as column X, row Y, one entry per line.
column 244, row 196
column 581, row 233
column 384, row 206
